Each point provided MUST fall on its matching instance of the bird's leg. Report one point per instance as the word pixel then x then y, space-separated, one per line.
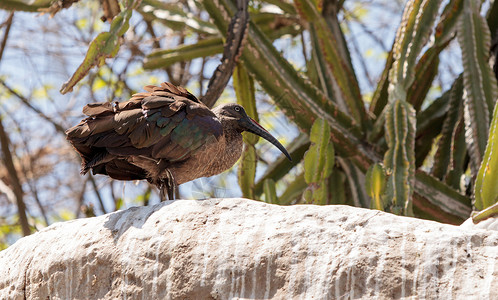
pixel 162 191
pixel 167 186
pixel 171 185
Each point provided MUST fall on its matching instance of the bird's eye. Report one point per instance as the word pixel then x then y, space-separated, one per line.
pixel 237 108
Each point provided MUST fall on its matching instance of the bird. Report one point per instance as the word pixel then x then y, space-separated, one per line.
pixel 164 135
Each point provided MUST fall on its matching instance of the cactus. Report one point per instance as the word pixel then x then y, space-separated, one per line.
pixel 270 192
pixel 244 89
pixel 318 163
pixel 376 185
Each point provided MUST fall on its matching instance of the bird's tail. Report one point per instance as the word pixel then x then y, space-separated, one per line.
pixel 99 158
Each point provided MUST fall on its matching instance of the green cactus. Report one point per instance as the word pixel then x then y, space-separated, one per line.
pixel 318 163
pixel 244 89
pixel 270 191
pixel 376 185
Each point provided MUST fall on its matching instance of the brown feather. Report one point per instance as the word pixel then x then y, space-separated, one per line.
pixel 94 109
pixel 165 135
pixel 127 140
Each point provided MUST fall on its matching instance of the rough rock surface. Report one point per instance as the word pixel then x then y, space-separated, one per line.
pixel 236 248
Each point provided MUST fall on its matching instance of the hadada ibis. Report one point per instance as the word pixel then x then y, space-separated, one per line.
pixel 165 135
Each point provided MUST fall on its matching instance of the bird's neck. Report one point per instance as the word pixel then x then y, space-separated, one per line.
pixel 232 149
pixel 231 131
pixel 233 141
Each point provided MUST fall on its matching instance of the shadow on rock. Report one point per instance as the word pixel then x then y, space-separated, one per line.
pixel 119 222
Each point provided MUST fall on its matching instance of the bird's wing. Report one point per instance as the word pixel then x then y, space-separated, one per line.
pixel 166 122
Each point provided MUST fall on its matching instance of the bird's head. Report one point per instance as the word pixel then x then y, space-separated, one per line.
pixel 237 115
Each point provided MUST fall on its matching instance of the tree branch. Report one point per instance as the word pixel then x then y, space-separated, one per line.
pixel 237 31
pixel 26 102
pixel 7 156
pixel 6 34
pixel 16 183
pixel 81 197
pixel 97 193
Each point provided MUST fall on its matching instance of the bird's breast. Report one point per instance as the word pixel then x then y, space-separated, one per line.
pixel 227 157
pixel 212 159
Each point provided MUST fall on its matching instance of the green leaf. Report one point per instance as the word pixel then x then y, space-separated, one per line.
pixel 165 58
pixel 311 167
pixel 318 163
pixel 106 44
pixel 174 16
pixel 207 47
pixel 329 161
pixel 25 5
pixel 375 182
pixel 284 6
pixel 479 81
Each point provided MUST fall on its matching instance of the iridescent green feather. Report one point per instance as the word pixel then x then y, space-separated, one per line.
pixel 163 121
pixel 167 130
pixel 154 117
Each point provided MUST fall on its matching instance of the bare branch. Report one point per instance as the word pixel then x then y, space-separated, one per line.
pixel 57 6
pixel 81 197
pixel 7 156
pixel 97 193
pixel 6 34
pixel 26 102
pixel 16 183
pixel 362 62
pixel 237 31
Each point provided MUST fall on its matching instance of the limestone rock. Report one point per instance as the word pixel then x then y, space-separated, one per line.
pixel 237 248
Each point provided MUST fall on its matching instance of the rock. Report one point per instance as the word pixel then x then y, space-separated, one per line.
pixel 489 224
pixel 237 248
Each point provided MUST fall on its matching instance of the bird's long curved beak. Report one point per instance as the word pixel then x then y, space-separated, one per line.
pixel 252 126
